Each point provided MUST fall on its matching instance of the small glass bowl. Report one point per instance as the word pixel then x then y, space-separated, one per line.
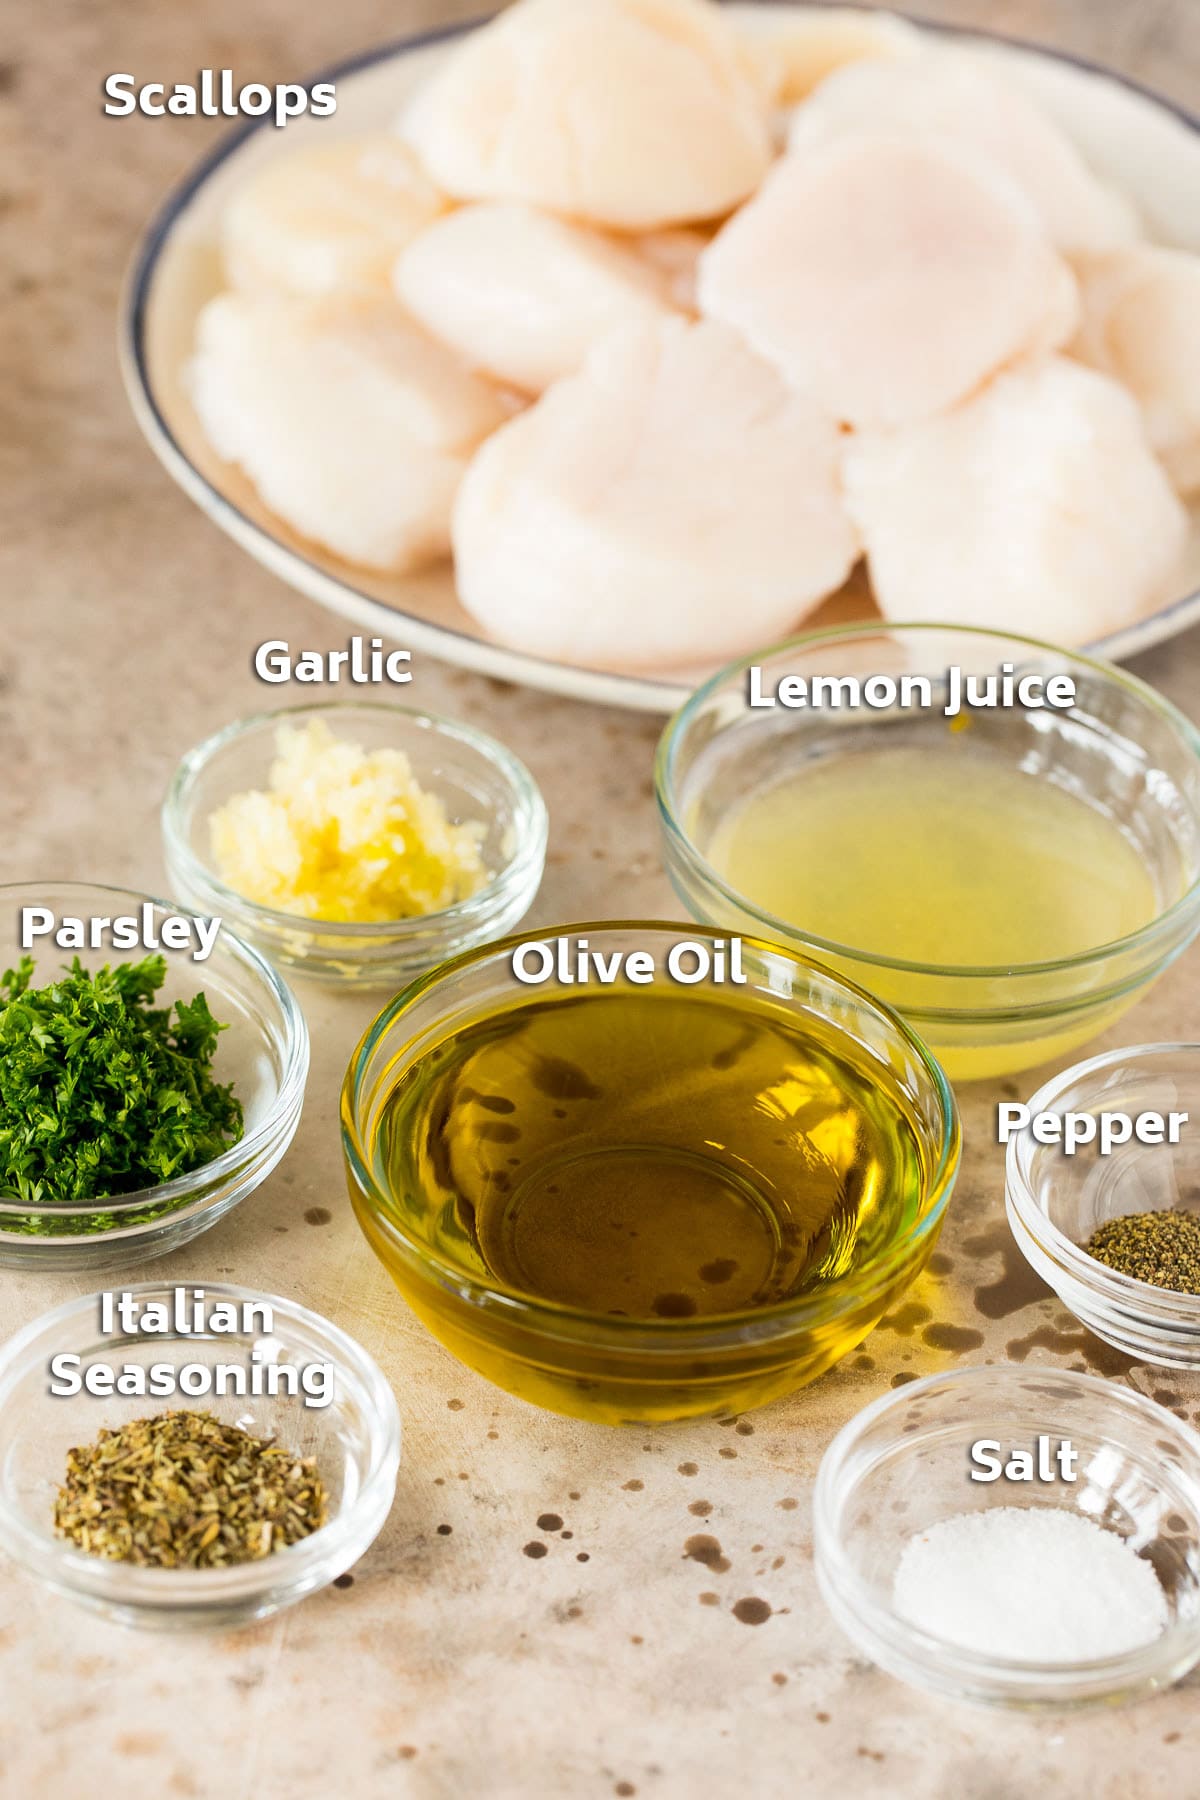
pixel 1055 1201
pixel 264 1053
pixel 1121 748
pixel 474 776
pixel 902 1466
pixel 355 1440
pixel 602 1366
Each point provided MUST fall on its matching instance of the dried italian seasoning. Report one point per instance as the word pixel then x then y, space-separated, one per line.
pixel 184 1491
pixel 1162 1248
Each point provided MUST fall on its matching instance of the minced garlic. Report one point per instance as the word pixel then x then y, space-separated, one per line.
pixel 344 834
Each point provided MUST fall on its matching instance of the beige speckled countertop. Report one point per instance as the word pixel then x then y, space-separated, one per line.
pixel 452 1665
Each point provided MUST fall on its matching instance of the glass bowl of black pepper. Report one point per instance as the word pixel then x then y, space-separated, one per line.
pixel 1114 1227
pixel 193 1532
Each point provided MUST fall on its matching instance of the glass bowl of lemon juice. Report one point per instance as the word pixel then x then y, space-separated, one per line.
pixel 999 838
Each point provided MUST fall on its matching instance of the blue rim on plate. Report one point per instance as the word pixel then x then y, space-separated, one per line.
pixel 449 642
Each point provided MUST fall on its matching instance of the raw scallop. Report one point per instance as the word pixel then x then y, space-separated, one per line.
pixel 1141 324
pixel 887 277
pixel 672 503
pixel 798 50
pixel 951 95
pixel 627 113
pixel 675 255
pixel 524 295
pixel 354 427
pixel 331 218
pixel 1037 505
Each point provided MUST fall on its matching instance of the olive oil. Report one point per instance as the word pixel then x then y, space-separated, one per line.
pixel 652 1154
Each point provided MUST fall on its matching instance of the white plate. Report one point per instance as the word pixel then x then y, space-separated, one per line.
pixel 1142 144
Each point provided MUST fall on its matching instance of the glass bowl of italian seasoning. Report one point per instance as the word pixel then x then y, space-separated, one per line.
pixel 182 1457
pixel 355 843
pixel 1103 1196
pixel 1015 1537
pixel 999 838
pixel 152 1071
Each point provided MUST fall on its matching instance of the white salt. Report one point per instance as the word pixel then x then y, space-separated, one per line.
pixel 1029 1584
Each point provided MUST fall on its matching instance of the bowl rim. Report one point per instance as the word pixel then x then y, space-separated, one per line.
pixel 680 841
pixel 523 865
pixel 130 1584
pixel 1156 1308
pixel 293 1076
pixel 980 1669
pixel 553 1319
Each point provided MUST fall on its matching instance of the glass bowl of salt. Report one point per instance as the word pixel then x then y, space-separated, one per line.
pixel 1015 1537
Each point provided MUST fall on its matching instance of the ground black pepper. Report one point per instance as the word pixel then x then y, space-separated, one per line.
pixel 1162 1248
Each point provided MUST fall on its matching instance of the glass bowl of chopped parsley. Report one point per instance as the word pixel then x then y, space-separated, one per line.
pixel 1112 1222
pixel 186 1478
pixel 143 1093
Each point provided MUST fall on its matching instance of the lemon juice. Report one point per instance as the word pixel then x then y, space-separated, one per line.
pixel 932 858
pixel 949 872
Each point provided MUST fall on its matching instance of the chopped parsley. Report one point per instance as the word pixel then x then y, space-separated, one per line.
pixel 101 1092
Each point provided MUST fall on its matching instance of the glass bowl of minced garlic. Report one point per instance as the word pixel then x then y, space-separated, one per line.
pixel 179 1457
pixel 356 843
pixel 1103 1196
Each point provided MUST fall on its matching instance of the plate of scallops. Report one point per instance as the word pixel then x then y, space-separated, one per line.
pixel 595 345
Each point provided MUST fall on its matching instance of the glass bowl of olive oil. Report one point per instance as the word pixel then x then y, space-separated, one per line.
pixel 999 838
pixel 638 1200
